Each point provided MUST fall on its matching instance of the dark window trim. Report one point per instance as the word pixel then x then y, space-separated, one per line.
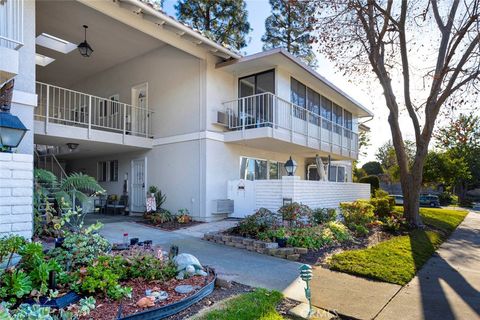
pixel 255 75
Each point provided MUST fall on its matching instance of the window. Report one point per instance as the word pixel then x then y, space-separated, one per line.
pixel 258 169
pixel 337 118
pixel 102 171
pixel 326 113
pixel 113 170
pixel 107 171
pixel 340 174
pixel 313 105
pixel 257 83
pixel 336 174
pixel 348 124
pixel 332 173
pixel 298 97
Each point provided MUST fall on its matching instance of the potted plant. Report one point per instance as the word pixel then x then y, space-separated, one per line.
pixel 152 190
pixel 281 237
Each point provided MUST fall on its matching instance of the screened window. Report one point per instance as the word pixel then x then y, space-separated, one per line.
pixel 107 171
pixel 326 112
pixel 299 98
pixel 340 174
pixel 257 83
pixel 273 172
pixel 336 174
pixel 332 173
pixel 337 118
pixel 313 105
pixel 113 170
pixel 348 123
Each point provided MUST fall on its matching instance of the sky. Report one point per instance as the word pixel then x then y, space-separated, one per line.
pixel 371 98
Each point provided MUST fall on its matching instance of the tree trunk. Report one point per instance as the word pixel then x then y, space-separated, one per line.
pixel 411 200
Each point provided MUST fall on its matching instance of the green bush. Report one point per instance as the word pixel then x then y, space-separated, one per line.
pixel 373 181
pixel 159 217
pixel 258 222
pixel 339 230
pixel 310 237
pixel 324 215
pixel 357 215
pixel 382 203
pixel 447 198
pixel 296 214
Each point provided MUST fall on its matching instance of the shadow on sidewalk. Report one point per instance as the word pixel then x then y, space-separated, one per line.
pixel 437 276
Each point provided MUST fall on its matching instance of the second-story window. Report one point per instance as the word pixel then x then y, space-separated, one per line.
pixel 326 113
pixel 337 118
pixel 298 98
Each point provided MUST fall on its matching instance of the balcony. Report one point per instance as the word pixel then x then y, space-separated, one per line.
pixel 11 37
pixel 269 122
pixel 71 114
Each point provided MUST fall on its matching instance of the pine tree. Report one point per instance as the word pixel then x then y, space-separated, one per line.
pixel 289 27
pixel 223 21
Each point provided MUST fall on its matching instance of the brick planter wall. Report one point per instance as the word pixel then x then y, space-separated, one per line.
pixel 16 194
pixel 263 247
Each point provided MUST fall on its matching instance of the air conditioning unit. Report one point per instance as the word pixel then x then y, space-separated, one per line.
pixel 222 206
pixel 222 118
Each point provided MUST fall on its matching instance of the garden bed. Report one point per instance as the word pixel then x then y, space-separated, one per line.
pixel 109 309
pixel 170 225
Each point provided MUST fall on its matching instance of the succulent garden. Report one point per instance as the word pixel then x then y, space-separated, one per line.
pixel 82 275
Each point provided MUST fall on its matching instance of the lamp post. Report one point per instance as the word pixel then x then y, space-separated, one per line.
pixel 12 130
pixel 306 275
pixel 290 166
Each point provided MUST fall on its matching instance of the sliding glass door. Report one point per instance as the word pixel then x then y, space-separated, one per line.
pixel 256 107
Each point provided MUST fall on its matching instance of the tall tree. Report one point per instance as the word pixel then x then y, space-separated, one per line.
pixel 289 27
pixel 424 54
pixel 223 21
pixel 460 139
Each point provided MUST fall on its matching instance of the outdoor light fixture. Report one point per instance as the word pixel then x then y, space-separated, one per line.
pixel 72 146
pixel 84 47
pixel 290 166
pixel 12 130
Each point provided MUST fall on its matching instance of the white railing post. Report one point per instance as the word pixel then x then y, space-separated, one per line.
pixel 242 117
pixel 89 116
pixel 124 121
pixel 291 121
pixel 146 122
pixel 47 109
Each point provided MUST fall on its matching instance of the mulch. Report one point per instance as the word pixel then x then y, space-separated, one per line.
pixel 107 309
pixel 171 225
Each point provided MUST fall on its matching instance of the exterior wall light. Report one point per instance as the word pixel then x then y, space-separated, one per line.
pixel 290 166
pixel 84 48
pixel 12 130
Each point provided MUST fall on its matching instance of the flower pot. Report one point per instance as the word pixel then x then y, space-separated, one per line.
pixel 282 242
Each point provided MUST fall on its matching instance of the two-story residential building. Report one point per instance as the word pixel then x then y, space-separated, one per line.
pixel 157 103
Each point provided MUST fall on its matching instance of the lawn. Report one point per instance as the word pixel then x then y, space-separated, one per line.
pixel 397 260
pixel 257 305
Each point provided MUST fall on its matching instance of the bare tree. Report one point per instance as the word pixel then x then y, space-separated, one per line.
pixel 388 37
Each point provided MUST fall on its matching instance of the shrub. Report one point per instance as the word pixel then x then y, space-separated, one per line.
pixel 296 213
pixel 373 181
pixel 394 223
pixel 357 213
pixel 258 222
pixel 159 217
pixel 383 204
pixel 339 230
pixel 310 237
pixel 183 216
pixel 324 215
pixel 447 198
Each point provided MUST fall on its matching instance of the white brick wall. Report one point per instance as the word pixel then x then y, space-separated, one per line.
pixel 16 194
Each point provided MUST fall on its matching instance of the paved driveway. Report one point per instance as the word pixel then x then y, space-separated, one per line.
pixel 242 266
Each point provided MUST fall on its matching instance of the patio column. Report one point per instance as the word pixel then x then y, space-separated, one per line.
pixel 290 187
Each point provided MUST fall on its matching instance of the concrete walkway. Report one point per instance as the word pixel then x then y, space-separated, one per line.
pixel 448 286
pixel 239 265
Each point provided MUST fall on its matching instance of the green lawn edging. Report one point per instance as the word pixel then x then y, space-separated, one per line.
pixel 397 260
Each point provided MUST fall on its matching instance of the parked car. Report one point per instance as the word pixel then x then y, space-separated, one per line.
pixel 398 199
pixel 428 200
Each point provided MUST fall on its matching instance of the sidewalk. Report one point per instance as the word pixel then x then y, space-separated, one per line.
pixel 448 286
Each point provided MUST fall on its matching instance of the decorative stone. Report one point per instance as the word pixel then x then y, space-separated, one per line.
pixel 146 302
pixel 259 244
pixel 223 283
pixel 287 251
pixel 160 295
pixel 248 242
pixel 217 237
pixel 301 250
pixel 271 251
pixel 237 239
pixel 231 244
pixel 250 248
pixel 188 264
pixel 208 236
pixel 239 245
pixel 271 245
pixel 293 257
pixel 226 238
pixel 260 250
pixel 184 288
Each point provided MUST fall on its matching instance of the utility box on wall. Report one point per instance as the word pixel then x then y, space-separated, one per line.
pixel 222 206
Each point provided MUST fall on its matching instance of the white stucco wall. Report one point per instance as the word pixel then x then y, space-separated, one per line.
pixel 174 79
pixel 16 190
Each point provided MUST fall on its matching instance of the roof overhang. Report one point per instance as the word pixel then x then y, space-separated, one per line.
pixel 280 57
pixel 168 23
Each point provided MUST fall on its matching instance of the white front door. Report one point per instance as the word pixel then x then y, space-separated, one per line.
pixel 138 185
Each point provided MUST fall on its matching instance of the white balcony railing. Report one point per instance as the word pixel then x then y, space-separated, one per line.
pixel 68 107
pixel 11 24
pixel 269 110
